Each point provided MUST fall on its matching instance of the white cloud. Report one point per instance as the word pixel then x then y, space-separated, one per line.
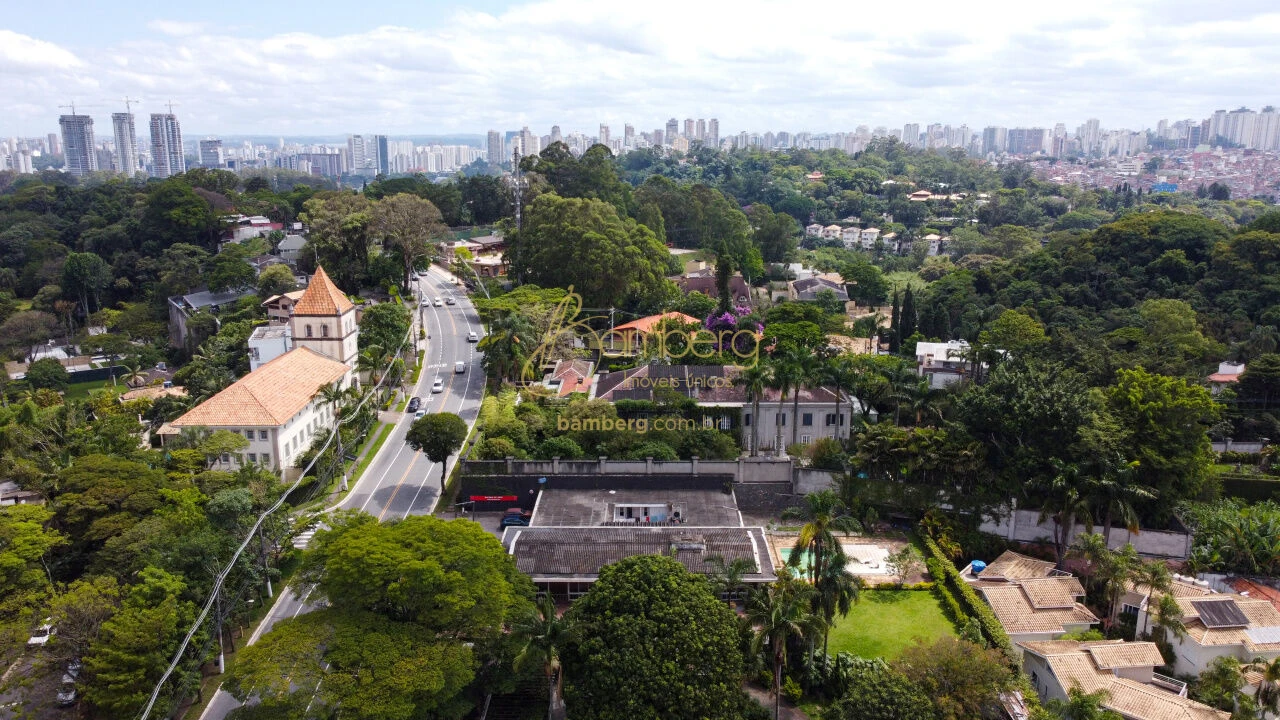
pixel 805 64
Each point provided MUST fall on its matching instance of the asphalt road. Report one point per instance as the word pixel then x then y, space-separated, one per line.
pixel 399 482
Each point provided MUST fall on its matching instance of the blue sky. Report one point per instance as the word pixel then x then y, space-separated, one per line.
pixel 401 67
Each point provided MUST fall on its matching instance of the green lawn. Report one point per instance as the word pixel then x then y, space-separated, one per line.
pixel 80 391
pixel 884 622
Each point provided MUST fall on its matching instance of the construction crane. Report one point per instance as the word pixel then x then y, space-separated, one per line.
pixel 128 107
pixel 72 106
pixel 170 105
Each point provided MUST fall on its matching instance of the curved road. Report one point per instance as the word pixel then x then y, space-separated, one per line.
pixel 399 481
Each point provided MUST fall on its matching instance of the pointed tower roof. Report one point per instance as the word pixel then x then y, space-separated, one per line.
pixel 322 297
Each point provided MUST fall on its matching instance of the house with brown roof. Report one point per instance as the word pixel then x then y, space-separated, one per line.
pixel 704 281
pixel 1228 374
pixel 631 337
pixel 1217 624
pixel 1123 671
pixel 278 408
pixel 1031 599
pixel 570 376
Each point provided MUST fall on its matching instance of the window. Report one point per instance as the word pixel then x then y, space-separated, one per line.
pixel 248 434
pixel 746 420
pixel 308 331
pixel 253 457
pixel 780 419
pixel 226 457
pixel 266 458
pixel 832 418
pixel 707 421
pixel 806 439
pixel 262 434
pixel 724 422
pixel 806 419
pixel 1127 609
pixel 324 331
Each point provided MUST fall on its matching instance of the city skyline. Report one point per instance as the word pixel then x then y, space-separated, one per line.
pixel 443 68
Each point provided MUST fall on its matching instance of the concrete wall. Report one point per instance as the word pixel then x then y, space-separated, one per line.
pixel 1232 446
pixel 1024 526
pixel 765 497
pixel 809 481
pixel 743 469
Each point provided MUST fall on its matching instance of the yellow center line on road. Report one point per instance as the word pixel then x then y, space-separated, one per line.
pixel 443 398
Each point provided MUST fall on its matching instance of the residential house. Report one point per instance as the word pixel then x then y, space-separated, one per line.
pixel 935 243
pixel 1030 598
pixel 570 376
pixel 633 337
pixel 1217 624
pixel 808 289
pixel 891 242
pixel 714 386
pixel 813 230
pixel 704 281
pixel 850 237
pixel 278 408
pixel 832 232
pixel 920 196
pixel 12 494
pixel 280 307
pixel 262 262
pixel 290 246
pixel 183 307
pixel 942 363
pixel 867 237
pixel 1124 672
pixel 247 227
pixel 1228 374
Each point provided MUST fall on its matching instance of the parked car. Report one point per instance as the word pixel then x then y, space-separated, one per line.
pixel 41 635
pixel 437 386
pixel 67 691
pixel 473 337
pixel 513 521
pixel 422 273
pixel 521 512
pixel 414 404
pixel 459 367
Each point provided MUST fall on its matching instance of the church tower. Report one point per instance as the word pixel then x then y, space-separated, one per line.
pixel 324 320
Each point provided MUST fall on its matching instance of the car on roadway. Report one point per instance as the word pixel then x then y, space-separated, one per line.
pixel 448 300
pixel 437 386
pixel 418 415
pixel 460 367
pixel 438 302
pixel 473 337
pixel 422 273
pixel 41 635
pixel 414 404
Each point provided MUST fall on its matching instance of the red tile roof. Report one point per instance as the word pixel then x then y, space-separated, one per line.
pixel 322 297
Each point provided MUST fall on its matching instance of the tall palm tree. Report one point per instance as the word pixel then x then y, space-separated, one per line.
pixel 374 360
pixel 1115 492
pixel 542 636
pixel 1268 693
pixel 803 372
pixel 836 590
pixel 754 380
pixel 780 613
pixel 132 374
pixel 841 373
pixel 823 513
pixel 922 399
pixel 510 340
pixel 1156 577
pixel 1064 500
pixel 1168 618
pixel 782 377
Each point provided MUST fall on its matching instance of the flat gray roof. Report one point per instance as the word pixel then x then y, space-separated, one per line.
pixel 559 507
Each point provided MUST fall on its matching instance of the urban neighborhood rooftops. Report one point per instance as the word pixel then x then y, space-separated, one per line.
pixel 559 507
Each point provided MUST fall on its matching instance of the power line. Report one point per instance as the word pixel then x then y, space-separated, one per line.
pixel 222 576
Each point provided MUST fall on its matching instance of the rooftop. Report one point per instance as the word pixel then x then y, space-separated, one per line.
pixel 322 297
pixel 1013 566
pixel 270 395
pixel 559 507
pixel 1093 666
pixel 1014 608
pixel 646 324
pixel 556 553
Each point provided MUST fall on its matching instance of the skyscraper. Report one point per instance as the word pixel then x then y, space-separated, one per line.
pixel 688 128
pixel 911 134
pixel 713 133
pixel 77 144
pixel 494 148
pixel 166 146
pixel 383 160
pixel 700 133
pixel 628 135
pixel 603 138
pixel 556 136
pixel 673 129
pixel 126 143
pixel 994 140
pixel 211 153
pixel 54 146
pixel 359 150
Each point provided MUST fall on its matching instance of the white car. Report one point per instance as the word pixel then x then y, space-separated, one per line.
pixel 41 635
pixel 473 337
pixel 448 300
pixel 460 367
pixel 418 415
pixel 437 386
pixel 439 302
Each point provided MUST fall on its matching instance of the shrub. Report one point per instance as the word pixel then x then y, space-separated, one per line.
pixel 47 374
pixel 827 454
pixel 791 690
pixel 968 598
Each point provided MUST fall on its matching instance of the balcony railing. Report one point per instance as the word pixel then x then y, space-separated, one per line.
pixel 1171 684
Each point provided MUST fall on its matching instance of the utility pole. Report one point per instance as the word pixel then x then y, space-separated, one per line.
pixel 518 181
pixel 266 570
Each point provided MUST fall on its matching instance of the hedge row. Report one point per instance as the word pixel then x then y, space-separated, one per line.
pixel 992 630
pixel 949 603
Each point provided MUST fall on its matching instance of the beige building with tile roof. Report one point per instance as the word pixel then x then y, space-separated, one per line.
pixel 276 407
pixel 324 320
pixel 1125 671
pixel 1031 599
pixel 1218 624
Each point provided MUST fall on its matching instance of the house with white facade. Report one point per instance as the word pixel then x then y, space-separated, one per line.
pixel 1217 624
pixel 867 237
pixel 849 236
pixel 813 230
pixel 942 363
pixel 290 246
pixel 832 232
pixel 1123 671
